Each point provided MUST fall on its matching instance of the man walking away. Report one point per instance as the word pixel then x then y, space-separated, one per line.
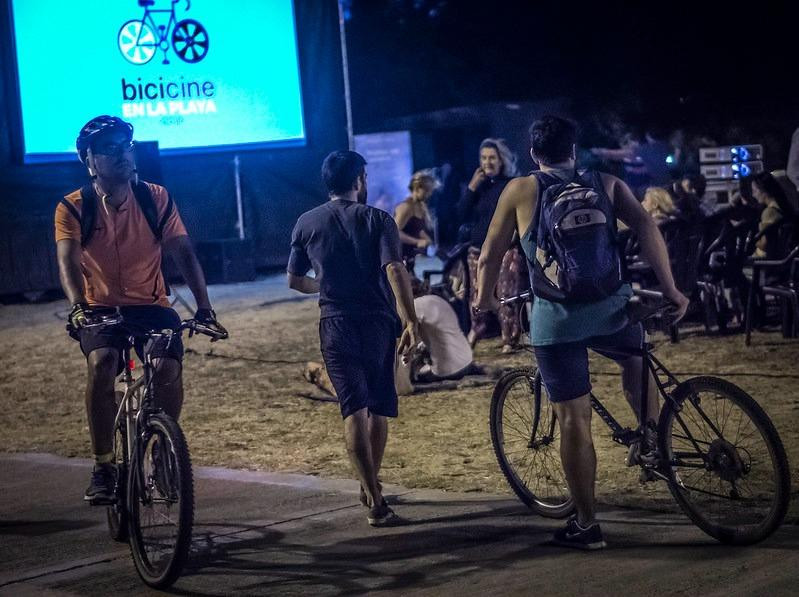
pixel 354 251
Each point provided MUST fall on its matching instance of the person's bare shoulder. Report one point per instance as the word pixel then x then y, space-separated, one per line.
pixel 402 208
pixel 521 188
pixel 609 181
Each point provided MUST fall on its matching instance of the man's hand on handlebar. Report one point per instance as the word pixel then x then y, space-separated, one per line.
pixel 680 302
pixel 207 318
pixel 487 302
pixel 79 316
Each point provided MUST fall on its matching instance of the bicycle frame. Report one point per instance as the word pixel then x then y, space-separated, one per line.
pixel 132 409
pixel 625 435
pixel 160 30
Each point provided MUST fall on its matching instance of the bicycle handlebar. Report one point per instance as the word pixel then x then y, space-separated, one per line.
pixel 645 303
pixel 196 327
pixel 509 300
pixel 115 318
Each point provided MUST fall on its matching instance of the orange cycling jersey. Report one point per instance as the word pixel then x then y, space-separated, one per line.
pixel 121 263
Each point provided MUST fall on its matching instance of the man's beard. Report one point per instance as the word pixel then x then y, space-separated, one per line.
pixel 362 196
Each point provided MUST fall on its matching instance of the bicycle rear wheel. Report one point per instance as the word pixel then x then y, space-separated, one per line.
pixel 725 462
pixel 161 502
pixel 526 439
pixel 116 513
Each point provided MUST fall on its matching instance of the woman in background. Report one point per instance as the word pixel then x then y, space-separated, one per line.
pixel 413 217
pixel 497 167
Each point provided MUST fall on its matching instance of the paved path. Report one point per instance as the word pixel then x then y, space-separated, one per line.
pixel 281 534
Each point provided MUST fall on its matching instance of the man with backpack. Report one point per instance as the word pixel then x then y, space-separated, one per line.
pixel 109 239
pixel 567 223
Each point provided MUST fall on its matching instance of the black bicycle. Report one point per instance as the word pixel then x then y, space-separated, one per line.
pixel 153 505
pixel 717 450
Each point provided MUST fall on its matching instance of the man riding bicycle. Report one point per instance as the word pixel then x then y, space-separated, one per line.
pixel 110 235
pixel 567 222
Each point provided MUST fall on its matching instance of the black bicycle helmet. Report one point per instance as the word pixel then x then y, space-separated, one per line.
pixel 97 125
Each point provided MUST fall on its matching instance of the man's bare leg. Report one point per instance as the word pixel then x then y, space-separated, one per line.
pixel 577 454
pixel 631 386
pixel 378 434
pixel 357 435
pixel 100 407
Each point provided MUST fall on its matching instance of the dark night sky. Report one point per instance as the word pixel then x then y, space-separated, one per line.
pixel 682 64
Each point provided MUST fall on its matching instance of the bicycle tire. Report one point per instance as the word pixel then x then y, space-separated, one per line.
pixel 729 464
pixel 129 38
pixel 187 36
pixel 147 488
pixel 536 476
pixel 117 513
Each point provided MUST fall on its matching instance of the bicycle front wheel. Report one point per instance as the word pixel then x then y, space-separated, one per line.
pixel 161 502
pixel 526 439
pixel 725 462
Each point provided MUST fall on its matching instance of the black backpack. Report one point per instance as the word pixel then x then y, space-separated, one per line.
pixel 141 191
pixel 577 258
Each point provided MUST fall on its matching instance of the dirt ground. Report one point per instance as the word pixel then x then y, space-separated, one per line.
pixel 248 407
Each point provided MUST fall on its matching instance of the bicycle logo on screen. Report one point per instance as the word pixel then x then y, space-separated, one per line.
pixel 158 29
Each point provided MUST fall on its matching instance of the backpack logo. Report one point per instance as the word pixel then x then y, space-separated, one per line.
pixel 576 255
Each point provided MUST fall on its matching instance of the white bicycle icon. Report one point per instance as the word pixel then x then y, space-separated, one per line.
pixel 139 39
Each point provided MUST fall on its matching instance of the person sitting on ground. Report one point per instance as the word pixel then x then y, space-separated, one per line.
pixel 413 217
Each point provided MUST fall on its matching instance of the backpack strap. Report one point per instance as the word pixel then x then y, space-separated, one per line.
pixel 71 208
pixel 88 213
pixel 141 190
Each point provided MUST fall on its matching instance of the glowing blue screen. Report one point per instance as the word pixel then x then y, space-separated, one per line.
pixel 220 73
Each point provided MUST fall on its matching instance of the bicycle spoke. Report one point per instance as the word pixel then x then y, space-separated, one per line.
pixel 728 480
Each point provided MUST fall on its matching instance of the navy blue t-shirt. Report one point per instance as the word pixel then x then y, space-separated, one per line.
pixel 348 245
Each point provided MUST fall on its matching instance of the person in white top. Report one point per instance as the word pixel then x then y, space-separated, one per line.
pixel 450 353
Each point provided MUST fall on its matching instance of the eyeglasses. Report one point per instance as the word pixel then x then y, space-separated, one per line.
pixel 113 148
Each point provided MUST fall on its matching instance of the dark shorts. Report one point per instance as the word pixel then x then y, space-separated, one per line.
pixel 564 367
pixel 136 321
pixel 359 357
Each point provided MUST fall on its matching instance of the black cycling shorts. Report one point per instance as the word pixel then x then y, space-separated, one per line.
pixel 137 320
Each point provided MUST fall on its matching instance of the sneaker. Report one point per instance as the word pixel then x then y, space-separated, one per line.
pixel 381 515
pixel 101 487
pixel 579 538
pixel 364 498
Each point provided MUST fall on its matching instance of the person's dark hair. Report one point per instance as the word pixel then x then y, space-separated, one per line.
pixel 698 183
pixel 341 169
pixel 772 188
pixel 552 139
